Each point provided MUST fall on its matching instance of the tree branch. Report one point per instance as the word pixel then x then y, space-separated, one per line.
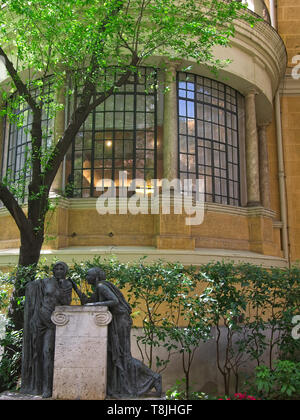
pixel 21 87
pixel 77 119
pixel 82 111
pixel 122 80
pixel 14 209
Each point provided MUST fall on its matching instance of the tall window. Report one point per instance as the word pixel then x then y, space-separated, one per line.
pixel 119 135
pixel 208 113
pixel 18 142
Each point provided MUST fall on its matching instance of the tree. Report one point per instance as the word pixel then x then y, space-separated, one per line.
pixel 75 43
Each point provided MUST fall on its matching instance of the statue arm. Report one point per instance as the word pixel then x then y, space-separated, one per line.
pixel 109 299
pixel 82 297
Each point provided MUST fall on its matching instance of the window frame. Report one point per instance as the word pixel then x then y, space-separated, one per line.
pixel 10 151
pixel 189 96
pixel 134 93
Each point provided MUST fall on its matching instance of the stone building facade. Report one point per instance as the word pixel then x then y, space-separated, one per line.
pixel 238 132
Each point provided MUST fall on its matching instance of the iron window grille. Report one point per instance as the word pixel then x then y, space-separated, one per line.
pixel 17 134
pixel 119 135
pixel 208 136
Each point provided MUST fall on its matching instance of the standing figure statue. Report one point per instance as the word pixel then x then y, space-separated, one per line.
pixel 126 376
pixel 42 296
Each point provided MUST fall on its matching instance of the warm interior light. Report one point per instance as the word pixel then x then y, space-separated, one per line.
pixel 108 143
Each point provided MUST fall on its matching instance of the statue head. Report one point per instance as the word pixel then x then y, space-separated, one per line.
pixel 60 270
pixel 95 275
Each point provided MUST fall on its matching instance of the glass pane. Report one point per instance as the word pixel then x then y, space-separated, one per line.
pixel 150 140
pixel 191 145
pixel 128 149
pixel 140 139
pixel 120 103
pixel 128 120
pixel 182 108
pixel 182 126
pixel 183 144
pixel 191 127
pixel 190 109
pixel 183 162
pixel 140 103
pixel 129 103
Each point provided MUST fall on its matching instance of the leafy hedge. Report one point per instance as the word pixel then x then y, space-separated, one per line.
pixel 247 307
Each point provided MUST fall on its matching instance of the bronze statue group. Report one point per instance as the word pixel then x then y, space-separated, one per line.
pixel 126 376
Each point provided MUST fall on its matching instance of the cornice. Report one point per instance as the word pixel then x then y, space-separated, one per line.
pixel 289 86
pixel 269 52
pixel 90 204
pixel 197 257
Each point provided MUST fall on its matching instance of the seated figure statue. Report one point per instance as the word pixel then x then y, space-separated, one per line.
pixel 126 376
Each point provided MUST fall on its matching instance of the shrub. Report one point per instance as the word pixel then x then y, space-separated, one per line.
pixel 239 302
pixel 281 383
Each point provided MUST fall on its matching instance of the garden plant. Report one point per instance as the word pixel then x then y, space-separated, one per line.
pixel 247 311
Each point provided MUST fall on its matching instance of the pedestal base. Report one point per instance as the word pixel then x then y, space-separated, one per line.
pixel 80 352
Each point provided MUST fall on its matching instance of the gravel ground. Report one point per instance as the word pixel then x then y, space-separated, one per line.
pixel 9 395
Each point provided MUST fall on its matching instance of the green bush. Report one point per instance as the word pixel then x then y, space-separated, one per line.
pixel 178 392
pixel 281 383
pixel 180 307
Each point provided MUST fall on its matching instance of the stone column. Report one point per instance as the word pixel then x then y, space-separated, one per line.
pixel 170 136
pixel 252 156
pixel 264 166
pixel 59 128
pixel 80 352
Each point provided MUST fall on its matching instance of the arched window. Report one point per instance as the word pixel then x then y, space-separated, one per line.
pixel 209 149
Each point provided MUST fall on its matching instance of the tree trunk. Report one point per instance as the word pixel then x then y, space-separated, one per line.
pixel 31 244
pixel 28 259
pixel 30 252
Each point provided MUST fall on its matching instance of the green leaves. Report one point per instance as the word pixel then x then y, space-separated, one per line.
pixel 80 43
pixel 60 36
pixel 246 309
pixel 283 382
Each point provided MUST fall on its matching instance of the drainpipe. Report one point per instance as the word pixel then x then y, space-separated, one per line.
pixel 281 171
pixel 273 13
pixel 281 174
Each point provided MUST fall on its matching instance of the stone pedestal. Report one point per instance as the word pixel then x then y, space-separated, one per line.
pixel 80 352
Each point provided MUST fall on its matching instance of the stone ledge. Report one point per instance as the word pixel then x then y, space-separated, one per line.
pixel 14 395
pixel 90 204
pixel 130 254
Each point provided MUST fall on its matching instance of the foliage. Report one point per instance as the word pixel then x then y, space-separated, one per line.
pixel 251 309
pixel 86 47
pixel 246 309
pixel 281 383
pixel 10 360
pixel 86 50
pixel 160 295
pixel 224 304
pixel 273 298
pixel 4 292
pixel 12 284
pixel 178 392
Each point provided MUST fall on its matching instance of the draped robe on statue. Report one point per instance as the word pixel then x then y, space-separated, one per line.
pixel 39 333
pixel 126 376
